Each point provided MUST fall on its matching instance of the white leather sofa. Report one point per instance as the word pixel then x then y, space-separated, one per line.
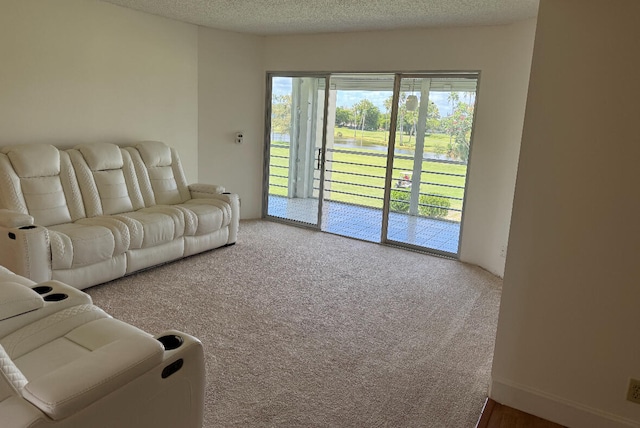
pixel 97 212
pixel 66 363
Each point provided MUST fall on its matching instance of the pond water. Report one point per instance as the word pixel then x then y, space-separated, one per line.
pixel 350 143
pixel 353 143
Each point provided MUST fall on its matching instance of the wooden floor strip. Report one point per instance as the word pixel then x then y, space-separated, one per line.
pixel 495 415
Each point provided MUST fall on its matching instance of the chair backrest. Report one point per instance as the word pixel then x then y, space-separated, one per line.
pixel 38 179
pixel 106 178
pixel 160 173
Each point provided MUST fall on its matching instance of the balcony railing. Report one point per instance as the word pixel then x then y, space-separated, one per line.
pixel 358 177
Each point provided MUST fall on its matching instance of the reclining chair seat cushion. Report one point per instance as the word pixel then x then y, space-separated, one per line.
pixel 211 214
pixel 75 244
pixel 149 229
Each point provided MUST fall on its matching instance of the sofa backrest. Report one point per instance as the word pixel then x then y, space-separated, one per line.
pixel 107 180
pixel 160 174
pixel 38 179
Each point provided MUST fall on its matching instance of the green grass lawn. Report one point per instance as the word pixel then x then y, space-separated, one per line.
pixel 369 186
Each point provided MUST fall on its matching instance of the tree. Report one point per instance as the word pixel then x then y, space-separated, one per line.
pixel 367 115
pixel 408 120
pixel 458 126
pixel 343 116
pixel 281 114
pixel 433 117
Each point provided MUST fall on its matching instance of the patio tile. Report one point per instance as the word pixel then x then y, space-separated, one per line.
pixel 365 223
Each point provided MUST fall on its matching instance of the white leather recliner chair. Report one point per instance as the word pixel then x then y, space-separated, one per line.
pixel 66 363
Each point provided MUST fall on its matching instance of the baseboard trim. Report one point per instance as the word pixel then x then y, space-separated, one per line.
pixel 554 408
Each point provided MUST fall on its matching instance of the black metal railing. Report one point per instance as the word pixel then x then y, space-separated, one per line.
pixel 346 182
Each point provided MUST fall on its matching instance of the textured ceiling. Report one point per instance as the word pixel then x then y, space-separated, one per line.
pixel 322 16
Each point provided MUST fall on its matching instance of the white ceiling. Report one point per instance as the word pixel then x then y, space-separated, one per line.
pixel 268 17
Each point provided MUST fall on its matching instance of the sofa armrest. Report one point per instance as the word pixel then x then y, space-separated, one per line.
pixel 233 200
pixel 18 299
pixel 75 298
pixel 205 190
pixel 26 251
pixel 78 384
pixel 9 219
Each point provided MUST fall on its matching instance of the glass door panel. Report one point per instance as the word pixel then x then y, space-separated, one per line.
pixel 295 148
pixel 356 154
pixel 429 166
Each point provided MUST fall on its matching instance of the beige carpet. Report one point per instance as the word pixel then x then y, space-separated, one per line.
pixel 308 329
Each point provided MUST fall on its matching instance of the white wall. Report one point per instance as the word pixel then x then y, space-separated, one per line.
pixel 75 71
pixel 83 70
pixel 502 54
pixel 231 99
pixel 568 336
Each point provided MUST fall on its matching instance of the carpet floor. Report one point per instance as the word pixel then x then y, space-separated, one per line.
pixel 308 329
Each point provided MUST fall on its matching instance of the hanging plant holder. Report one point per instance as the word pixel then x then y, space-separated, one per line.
pixel 412 103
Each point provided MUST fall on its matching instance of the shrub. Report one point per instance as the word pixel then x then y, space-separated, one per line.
pixel 434 206
pixel 400 200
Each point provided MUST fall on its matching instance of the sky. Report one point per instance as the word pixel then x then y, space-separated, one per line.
pixel 346 99
pixel 349 98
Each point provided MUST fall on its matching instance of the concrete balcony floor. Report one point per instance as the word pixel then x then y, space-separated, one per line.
pixel 365 223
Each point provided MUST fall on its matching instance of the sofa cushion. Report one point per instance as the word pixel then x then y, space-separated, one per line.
pixel 163 183
pixel 45 199
pixel 212 214
pixel 75 245
pixel 101 157
pixel 161 175
pixel 113 191
pixel 154 153
pixel 148 229
pixel 108 183
pixel 34 160
pixel 34 171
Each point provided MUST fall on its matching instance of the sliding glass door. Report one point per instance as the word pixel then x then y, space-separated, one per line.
pixel 429 161
pixel 377 157
pixel 356 154
pixel 295 142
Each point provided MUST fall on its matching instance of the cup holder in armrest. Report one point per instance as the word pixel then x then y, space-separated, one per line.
pixel 42 289
pixel 55 297
pixel 171 341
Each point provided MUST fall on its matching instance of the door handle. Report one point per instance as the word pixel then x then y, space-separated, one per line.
pixel 319 154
